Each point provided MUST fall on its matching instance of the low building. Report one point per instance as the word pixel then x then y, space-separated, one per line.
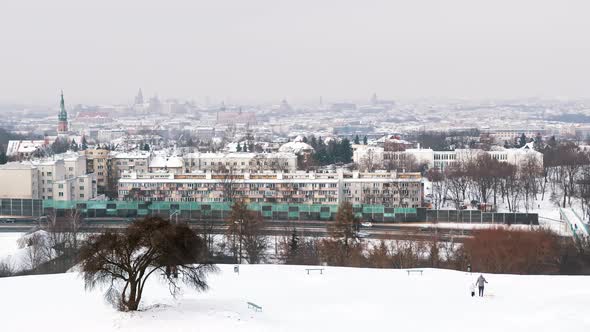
pixel 240 162
pixel 442 159
pixel 134 161
pixel 367 157
pixel 25 148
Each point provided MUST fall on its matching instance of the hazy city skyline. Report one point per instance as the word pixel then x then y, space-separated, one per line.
pixel 264 50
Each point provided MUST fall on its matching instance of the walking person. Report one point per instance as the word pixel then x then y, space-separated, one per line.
pixel 481 281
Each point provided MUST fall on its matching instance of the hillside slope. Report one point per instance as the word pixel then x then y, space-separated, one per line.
pixel 341 299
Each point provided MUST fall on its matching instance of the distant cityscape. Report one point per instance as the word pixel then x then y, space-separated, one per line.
pixel 170 150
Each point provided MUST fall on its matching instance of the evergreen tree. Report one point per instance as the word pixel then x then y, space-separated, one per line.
pixel 239 147
pixel 60 145
pixel 538 144
pixel 357 140
pixel 346 151
pixel 365 140
pixel 74 145
pixel 3 158
pixel 552 142
pixel 304 139
pixel 522 141
pixel 293 249
pixel 84 143
pixel 313 142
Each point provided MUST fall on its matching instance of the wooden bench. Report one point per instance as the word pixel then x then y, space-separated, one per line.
pixel 414 271
pixel 321 270
pixel 254 307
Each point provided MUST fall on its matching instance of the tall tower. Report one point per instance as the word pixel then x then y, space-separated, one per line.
pixel 62 124
pixel 139 98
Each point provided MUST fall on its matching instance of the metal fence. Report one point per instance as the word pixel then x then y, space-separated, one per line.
pixel 21 207
pixel 475 216
pixel 269 211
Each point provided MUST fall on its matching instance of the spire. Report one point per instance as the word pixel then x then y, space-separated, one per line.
pixel 62 118
pixel 62 104
pixel 63 115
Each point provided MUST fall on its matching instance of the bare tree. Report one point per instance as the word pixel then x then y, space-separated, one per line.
pixel 439 186
pixel 246 226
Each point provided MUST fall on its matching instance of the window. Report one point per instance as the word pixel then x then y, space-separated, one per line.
pixel 49 173
pixel 61 194
pixel 71 169
pixel 81 195
pixel 81 187
pixel 81 180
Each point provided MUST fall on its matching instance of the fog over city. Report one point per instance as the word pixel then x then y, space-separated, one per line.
pixel 295 165
pixel 266 50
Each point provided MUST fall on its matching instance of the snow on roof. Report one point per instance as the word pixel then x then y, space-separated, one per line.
pixel 237 155
pixel 166 162
pixel 16 166
pixel 131 154
pixel 295 147
pixel 17 147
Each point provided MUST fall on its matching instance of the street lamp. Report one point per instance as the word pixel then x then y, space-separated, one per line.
pixel 240 222
pixel 175 213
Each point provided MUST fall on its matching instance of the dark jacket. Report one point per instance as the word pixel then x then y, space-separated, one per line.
pixel 481 281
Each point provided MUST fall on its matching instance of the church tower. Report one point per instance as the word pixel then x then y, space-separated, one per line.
pixel 62 124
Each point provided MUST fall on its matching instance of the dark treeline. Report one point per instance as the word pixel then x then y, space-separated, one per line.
pixel 332 152
pixel 491 251
pixel 446 140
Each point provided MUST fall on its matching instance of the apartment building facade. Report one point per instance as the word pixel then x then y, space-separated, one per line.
pixel 390 189
pixel 240 162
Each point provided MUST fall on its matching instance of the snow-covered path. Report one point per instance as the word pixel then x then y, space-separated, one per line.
pixel 342 299
pixel 578 227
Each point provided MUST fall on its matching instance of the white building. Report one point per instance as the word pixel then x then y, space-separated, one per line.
pixel 442 159
pixel 19 181
pixel 134 161
pixel 24 148
pixel 63 177
pixel 240 162
pixel 367 156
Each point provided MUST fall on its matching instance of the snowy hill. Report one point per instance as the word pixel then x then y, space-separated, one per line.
pixel 341 299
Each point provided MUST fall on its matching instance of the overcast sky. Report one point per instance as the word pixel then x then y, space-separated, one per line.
pixel 264 50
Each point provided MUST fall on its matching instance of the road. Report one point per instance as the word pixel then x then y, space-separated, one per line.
pixel 274 228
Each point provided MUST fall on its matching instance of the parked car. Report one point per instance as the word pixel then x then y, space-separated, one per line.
pixel 362 234
pixel 366 224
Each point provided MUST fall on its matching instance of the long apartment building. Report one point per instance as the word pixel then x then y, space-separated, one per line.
pixel 62 177
pixel 388 188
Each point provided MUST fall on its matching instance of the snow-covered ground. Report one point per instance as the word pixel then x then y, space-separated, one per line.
pixel 341 299
pixel 9 251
